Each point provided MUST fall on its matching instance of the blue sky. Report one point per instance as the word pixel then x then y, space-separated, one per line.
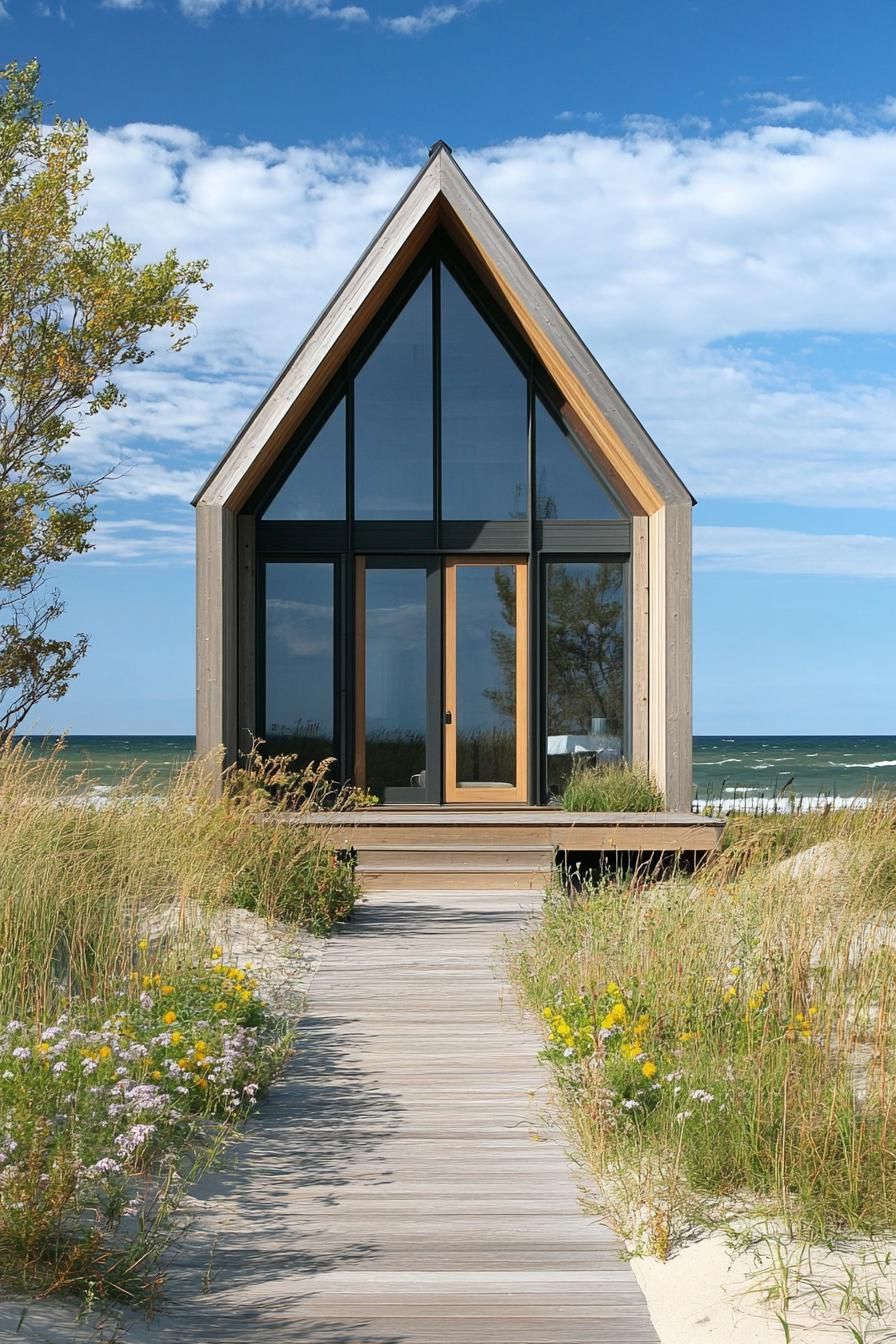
pixel 706 189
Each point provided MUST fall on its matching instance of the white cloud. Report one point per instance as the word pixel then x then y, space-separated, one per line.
pixel 669 252
pixel 782 107
pixel 759 550
pixel 314 9
pixel 130 540
pixel 431 16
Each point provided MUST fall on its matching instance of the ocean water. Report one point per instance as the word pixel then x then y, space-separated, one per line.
pixel 740 771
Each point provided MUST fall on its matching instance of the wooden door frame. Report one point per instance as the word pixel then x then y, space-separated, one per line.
pixel 451 793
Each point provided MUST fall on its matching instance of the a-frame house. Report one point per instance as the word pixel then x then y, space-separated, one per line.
pixel 443 550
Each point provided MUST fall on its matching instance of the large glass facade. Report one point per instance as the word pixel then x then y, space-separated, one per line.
pixel 394 418
pixel 424 621
pixel 585 664
pixel 484 416
pixel 299 659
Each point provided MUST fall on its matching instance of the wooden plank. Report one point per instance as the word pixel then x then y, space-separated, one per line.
pixel 670 694
pixel 247 729
pixel 216 631
pixel 639 657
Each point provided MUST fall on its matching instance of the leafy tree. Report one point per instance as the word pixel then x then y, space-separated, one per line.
pixel 74 307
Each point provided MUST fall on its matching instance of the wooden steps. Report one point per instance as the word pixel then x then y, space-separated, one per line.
pixel 461 866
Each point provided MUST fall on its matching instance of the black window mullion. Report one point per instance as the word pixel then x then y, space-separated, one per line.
pixel 437 401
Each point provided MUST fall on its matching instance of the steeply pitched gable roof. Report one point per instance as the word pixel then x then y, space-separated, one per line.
pixel 442 196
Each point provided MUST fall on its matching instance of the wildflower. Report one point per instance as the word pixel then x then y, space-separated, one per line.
pixel 176 1037
pixel 169 1017
pixel 200 1047
pixel 648 1068
pixel 21 1052
pixel 143 944
pixel 156 1076
pixel 700 1094
pixel 220 1006
pixel 217 952
pixel 200 1082
pixel 631 1105
pixel 104 1052
pixel 167 989
pixel 612 987
pixel 683 1115
pixel 106 1166
pixel 729 994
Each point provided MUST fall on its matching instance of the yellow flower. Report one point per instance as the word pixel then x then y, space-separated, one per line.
pixel 629 1050
pixel 200 1047
pixel 104 1052
pixel 685 1036
pixel 245 995
pixel 156 1076
pixel 729 994
pixel 147 982
pixel 183 1062
pixel 169 1017
pixel 220 1006
pixel 176 1037
pixel 200 1082
pixel 648 1068
pixel 217 952
pixel 167 989
pixel 612 987
pixel 43 1047
pixel 143 944
pixel 547 1014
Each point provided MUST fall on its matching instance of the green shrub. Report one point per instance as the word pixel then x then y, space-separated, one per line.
pixel 615 787
pixel 726 1042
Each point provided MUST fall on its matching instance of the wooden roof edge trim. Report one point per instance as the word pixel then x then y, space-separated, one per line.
pixel 469 209
pixel 426 186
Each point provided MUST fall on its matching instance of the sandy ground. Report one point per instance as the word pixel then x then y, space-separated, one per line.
pixel 705 1292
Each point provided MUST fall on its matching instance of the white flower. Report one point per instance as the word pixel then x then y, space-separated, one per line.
pixel 59 1068
pixel 702 1096
pixel 21 1052
pixel 630 1105
pixel 683 1115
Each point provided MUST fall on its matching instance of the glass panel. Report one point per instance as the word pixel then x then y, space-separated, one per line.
pixel 394 418
pixel 585 632
pixel 484 417
pixel 395 695
pixel 567 485
pixel 299 667
pixel 315 488
pixel 486 676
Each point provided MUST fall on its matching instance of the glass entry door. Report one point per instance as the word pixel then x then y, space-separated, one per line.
pixel 486 680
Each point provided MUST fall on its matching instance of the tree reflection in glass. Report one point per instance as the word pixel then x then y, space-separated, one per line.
pixel 585 657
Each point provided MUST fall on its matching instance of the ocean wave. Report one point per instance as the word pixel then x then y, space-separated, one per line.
pixel 864 765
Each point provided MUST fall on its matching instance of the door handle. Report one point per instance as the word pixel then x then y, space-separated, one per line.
pixel 446 717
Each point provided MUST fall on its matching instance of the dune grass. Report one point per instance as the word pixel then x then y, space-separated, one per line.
pixel 611 787
pixel 124 1058
pixel 726 1042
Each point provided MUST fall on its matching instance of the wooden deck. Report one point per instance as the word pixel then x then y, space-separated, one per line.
pixel 404 1185
pixel 583 832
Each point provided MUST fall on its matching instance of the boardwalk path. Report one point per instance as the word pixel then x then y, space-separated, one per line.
pixel 392 1191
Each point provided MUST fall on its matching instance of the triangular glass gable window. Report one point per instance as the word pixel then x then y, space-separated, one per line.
pixel 314 491
pixel 394 417
pixel 566 483
pixel 484 416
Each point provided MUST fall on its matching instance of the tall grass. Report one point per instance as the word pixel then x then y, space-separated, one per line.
pixel 611 787
pixel 78 881
pixel 124 1058
pixel 728 1041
